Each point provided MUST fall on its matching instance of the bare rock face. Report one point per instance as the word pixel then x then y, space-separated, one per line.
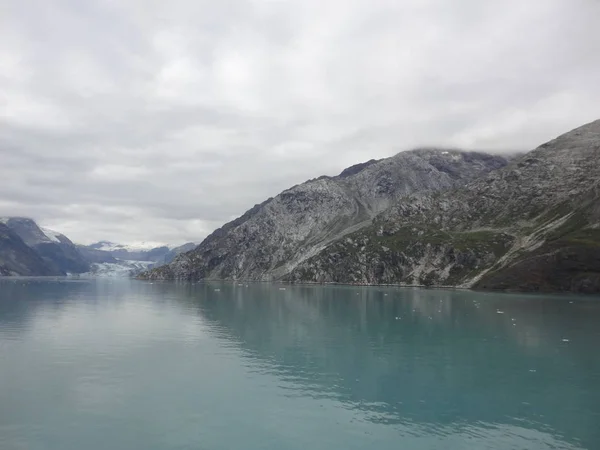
pixel 426 217
pixel 270 240
pixel 533 225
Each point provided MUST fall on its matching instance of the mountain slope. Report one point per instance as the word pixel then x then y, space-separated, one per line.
pixel 59 253
pixel 17 258
pixel 96 256
pixel 175 252
pixel 533 225
pixel 272 238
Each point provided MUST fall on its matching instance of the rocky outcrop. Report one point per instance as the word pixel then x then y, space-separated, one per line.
pixel 273 238
pixel 533 225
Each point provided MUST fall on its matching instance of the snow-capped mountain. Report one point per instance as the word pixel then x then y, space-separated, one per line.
pixel 28 249
pixel 59 255
pixel 155 253
pixel 107 246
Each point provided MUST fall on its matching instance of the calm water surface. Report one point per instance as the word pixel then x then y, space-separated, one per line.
pixel 102 364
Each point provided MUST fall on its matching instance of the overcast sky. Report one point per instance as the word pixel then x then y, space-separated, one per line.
pixel 159 120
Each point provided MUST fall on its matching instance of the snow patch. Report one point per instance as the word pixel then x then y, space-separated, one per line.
pixel 133 247
pixel 52 235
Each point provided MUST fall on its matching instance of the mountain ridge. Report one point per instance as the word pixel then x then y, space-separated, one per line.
pixel 536 214
pixel 269 239
pixel 59 253
pixel 17 258
pixel 26 249
pixel 526 210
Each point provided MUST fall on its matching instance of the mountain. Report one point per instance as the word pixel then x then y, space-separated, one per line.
pixel 142 252
pixel 17 258
pixel 273 238
pixel 118 260
pixel 95 256
pixel 533 225
pixel 174 252
pixel 27 249
pixel 60 255
pixel 109 252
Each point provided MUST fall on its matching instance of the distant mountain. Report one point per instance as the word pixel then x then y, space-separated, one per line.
pixel 108 246
pixel 17 258
pixel 174 252
pixel 110 252
pixel 59 254
pixel 96 256
pixel 29 250
pixel 270 240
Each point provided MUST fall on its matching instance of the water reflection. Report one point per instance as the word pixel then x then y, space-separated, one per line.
pixel 437 359
pixel 389 367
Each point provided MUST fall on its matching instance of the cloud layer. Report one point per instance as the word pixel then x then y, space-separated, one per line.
pixel 138 120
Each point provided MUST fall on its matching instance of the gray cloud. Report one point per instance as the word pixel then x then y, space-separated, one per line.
pixel 150 120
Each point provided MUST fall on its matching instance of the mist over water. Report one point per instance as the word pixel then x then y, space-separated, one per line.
pixel 124 364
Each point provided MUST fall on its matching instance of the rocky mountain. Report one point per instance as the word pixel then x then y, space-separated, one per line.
pixel 533 225
pixel 271 240
pixel 58 253
pixel 17 258
pixel 175 252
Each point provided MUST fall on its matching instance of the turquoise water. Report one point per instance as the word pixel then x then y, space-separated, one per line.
pixel 131 365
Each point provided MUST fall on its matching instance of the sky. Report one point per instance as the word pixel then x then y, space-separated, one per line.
pixel 153 120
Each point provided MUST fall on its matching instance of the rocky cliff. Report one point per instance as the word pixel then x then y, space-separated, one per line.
pixel 273 238
pixel 532 225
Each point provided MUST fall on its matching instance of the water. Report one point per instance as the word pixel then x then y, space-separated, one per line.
pixel 131 365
